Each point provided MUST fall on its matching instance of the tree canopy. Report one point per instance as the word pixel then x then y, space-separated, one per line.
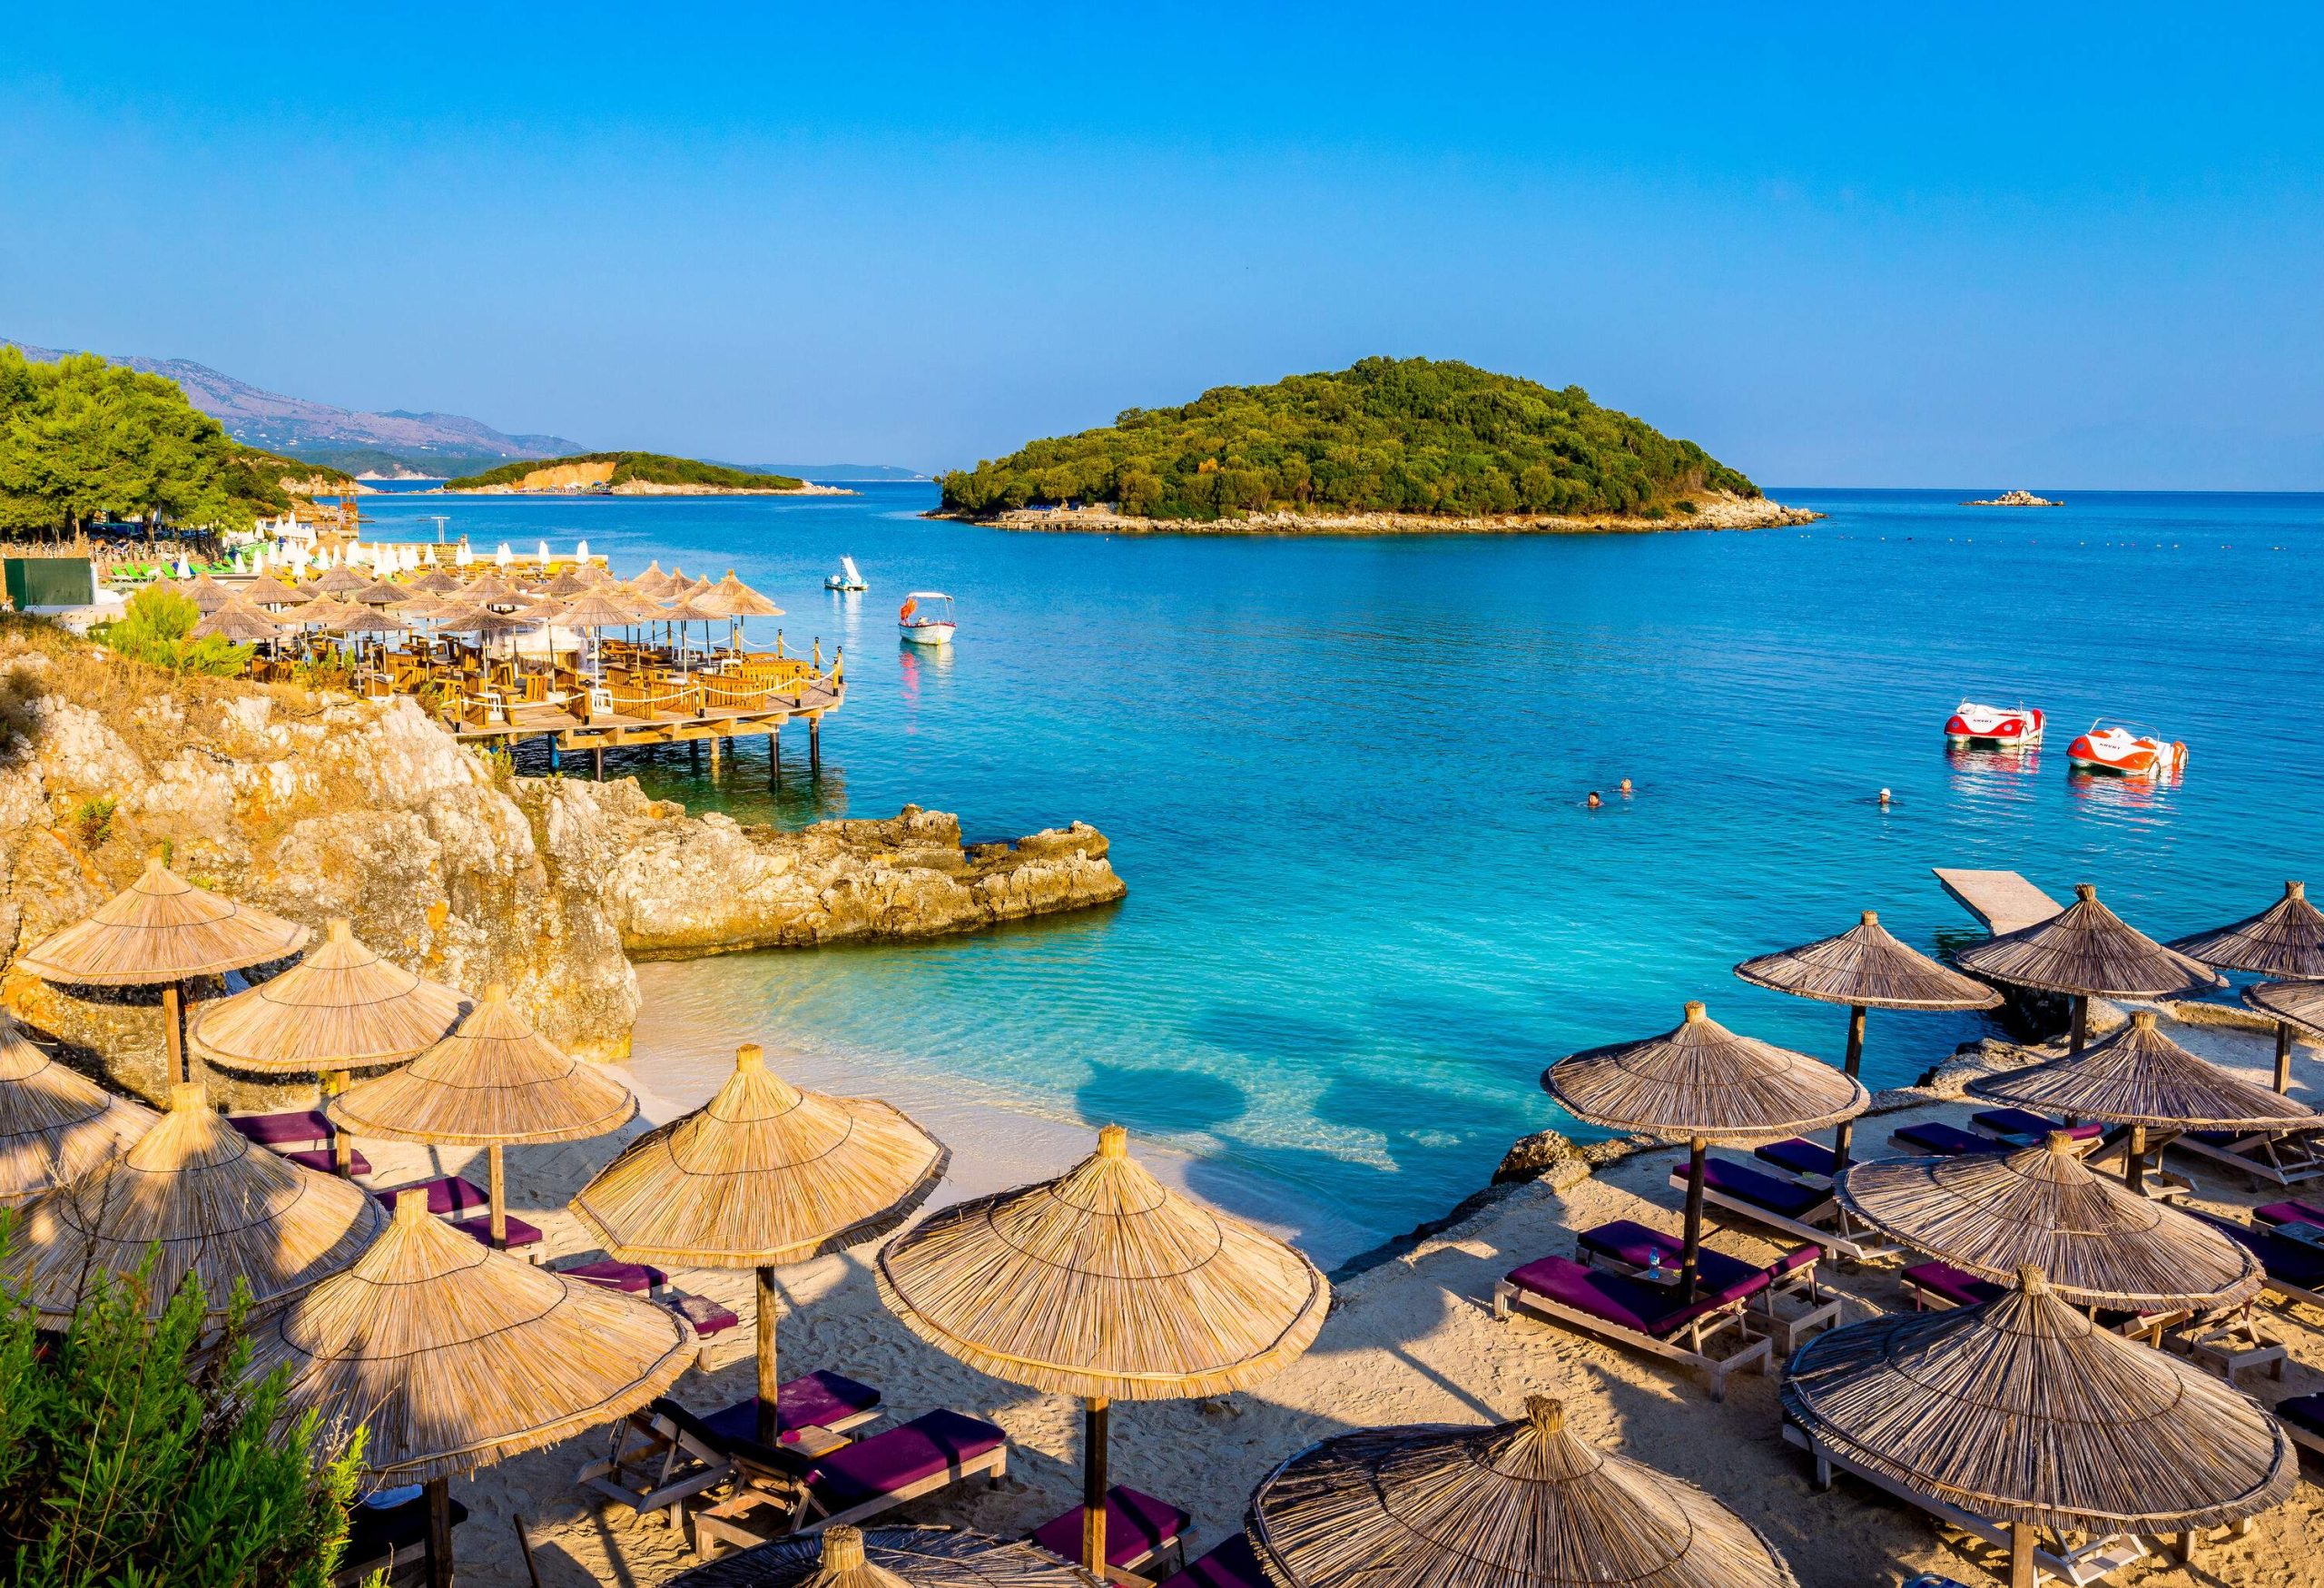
pixel 650 468
pixel 1386 435
pixel 82 440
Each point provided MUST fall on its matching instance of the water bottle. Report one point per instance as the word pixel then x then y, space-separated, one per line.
pixel 1654 1264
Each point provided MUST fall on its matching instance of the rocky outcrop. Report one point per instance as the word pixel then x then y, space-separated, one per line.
pixel 1711 510
pixel 316 806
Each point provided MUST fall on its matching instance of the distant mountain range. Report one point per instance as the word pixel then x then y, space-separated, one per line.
pixel 832 473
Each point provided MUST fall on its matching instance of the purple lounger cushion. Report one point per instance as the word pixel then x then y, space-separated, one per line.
pixel 631 1278
pixel 2304 1412
pixel 519 1232
pixel 446 1194
pixel 1233 1564
pixel 1958 1287
pixel 274 1129
pixel 1629 1242
pixel 1788 1197
pixel 2292 1261
pixel 1641 1308
pixel 816 1401
pixel 321 1159
pixel 1797 1157
pixel 1943 1141
pixel 927 1446
pixel 1136 1525
pixel 708 1317
pixel 2023 1122
pixel 2294 1212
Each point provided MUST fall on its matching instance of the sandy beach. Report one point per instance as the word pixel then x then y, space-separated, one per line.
pixel 1410 1340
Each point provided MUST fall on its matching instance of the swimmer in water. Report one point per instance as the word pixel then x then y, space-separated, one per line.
pixel 1594 800
pixel 1884 797
pixel 1626 786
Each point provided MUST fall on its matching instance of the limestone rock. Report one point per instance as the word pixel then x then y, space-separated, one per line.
pixel 1545 1155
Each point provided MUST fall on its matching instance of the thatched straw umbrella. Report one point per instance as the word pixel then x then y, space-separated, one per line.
pixel 2301 1003
pixel 1524 1504
pixel 1867 967
pixel 435 582
pixel 341 1007
pixel 758 1178
pixel 568 582
pixel 266 590
pixel 163 931
pixel 2284 940
pixel 493 1082
pixel 653 583
pixel 382 593
pixel 338 579
pixel 890 1557
pixel 2140 1078
pixel 453 1356
pixel 1699 1084
pixel 489 590
pixel 239 622
pixel 2024 1412
pixel 1105 1284
pixel 761 1176
pixel 216 1207
pixel 206 593
pixel 733 601
pixel 1991 1214
pixel 56 1123
pixel 2086 950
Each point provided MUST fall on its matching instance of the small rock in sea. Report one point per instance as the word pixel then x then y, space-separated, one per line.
pixel 1544 1155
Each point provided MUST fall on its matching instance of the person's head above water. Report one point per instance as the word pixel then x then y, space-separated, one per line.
pixel 1626 786
pixel 1594 800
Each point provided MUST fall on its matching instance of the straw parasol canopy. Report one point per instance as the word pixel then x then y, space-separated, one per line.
pixel 364 620
pixel 1523 1504
pixel 325 612
pixel 435 582
pixel 568 582
pixel 382 593
pixel 2299 1002
pixel 2023 1411
pixel 730 597
pixel 218 1208
pixel 2087 950
pixel 2286 939
pixel 1991 1214
pixel 890 1557
pixel 2137 1076
pixel 338 580
pixel 239 622
pixel 653 582
pixel 1105 1283
pixel 266 590
pixel 488 588
pixel 1865 967
pixel 762 1175
pixel 206 593
pixel 596 608
pixel 1701 1083
pixel 493 1082
pixel 484 623
pixel 55 1124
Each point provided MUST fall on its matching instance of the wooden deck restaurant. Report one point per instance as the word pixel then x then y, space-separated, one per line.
pixel 564 653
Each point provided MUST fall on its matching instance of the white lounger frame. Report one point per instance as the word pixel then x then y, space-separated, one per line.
pixel 1837 1242
pixel 2151 1327
pixel 1754 1357
pixel 710 1529
pixel 2093 1563
pixel 1789 1330
pixel 2255 1154
pixel 2301 1436
pixel 688 1465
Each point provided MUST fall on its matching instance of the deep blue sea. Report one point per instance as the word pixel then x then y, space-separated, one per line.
pixel 1346 781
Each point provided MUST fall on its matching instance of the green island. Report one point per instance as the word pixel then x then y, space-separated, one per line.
pixel 84 443
pixel 1389 436
pixel 612 470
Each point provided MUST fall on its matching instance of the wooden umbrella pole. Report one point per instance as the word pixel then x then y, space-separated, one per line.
pixel 2134 1160
pixel 342 1158
pixel 174 1024
pixel 1844 1131
pixel 769 1381
pixel 2021 1555
pixel 2079 1013
pixel 499 1184
pixel 2283 1055
pixel 1093 1485
pixel 439 1532
pixel 1693 1258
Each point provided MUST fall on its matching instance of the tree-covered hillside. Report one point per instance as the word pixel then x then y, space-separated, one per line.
pixel 650 468
pixel 83 440
pixel 1389 435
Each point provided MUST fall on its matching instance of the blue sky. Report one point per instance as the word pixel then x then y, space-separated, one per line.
pixel 2072 247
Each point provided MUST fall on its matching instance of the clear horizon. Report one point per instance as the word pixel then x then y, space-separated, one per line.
pixel 2063 247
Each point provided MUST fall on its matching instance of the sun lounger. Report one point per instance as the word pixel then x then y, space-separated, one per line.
pixel 1940 1288
pixel 2096 1560
pixel 2295 1269
pixel 1231 1564
pixel 709 1317
pixel 519 1233
pixel 1801 1210
pixel 320 1160
pixel 1641 1315
pixel 662 1454
pixel 2024 1127
pixel 390 1538
pixel 2303 1419
pixel 1141 1531
pixel 299 1128
pixel 1631 1248
pixel 2282 1158
pixel 448 1196
pixel 633 1277
pixel 1940 1140
pixel 2291 1212
pixel 1800 1158
pixel 859 1481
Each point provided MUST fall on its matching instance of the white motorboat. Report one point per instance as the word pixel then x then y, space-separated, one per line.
pixel 926 618
pixel 847 579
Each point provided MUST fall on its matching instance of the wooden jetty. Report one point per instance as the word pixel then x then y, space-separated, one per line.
pixel 620 718
pixel 2004 901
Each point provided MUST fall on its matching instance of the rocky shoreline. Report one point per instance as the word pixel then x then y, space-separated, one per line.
pixel 320 805
pixel 1713 511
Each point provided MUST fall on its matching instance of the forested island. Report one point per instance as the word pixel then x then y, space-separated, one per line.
pixel 1404 440
pixel 629 474
pixel 84 441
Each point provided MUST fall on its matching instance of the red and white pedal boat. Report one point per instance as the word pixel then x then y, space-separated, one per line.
pixel 2127 753
pixel 1994 725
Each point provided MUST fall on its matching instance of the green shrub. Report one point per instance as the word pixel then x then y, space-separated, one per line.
pixel 155 628
pixel 132 1454
pixel 92 820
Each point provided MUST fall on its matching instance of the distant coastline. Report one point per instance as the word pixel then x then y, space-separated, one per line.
pixel 1713 511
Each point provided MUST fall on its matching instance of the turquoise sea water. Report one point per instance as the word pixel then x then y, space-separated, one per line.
pixel 1344 780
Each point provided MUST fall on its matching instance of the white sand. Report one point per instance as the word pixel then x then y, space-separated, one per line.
pixel 1412 1340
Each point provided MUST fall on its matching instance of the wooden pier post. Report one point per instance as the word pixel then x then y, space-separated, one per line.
pixel 714 757
pixel 556 762
pixel 599 753
pixel 815 745
pixel 774 758
pixel 694 753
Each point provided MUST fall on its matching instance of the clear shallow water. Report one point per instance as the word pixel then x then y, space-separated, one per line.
pixel 1344 781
